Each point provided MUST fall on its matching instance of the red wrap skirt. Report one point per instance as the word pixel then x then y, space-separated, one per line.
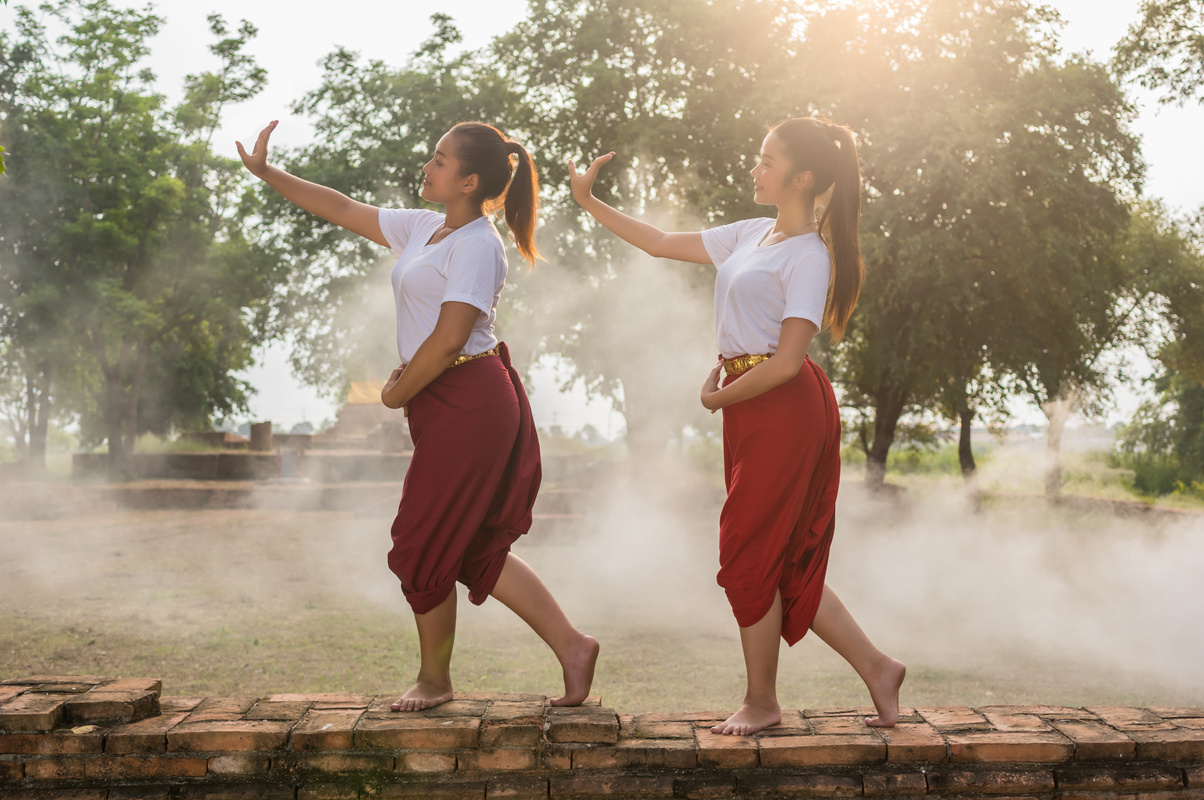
pixel 471 483
pixel 781 459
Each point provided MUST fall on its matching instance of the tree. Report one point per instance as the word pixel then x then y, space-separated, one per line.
pixel 126 240
pixel 1164 49
pixel 684 91
pixel 994 175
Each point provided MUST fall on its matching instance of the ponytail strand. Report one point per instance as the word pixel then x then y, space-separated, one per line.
pixel 522 202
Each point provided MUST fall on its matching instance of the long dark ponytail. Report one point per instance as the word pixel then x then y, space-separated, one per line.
pixel 483 151
pixel 829 153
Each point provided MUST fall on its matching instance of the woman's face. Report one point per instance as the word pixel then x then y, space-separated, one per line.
pixel 441 179
pixel 774 179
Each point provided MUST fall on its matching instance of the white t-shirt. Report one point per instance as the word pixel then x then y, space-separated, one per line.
pixel 757 287
pixel 467 266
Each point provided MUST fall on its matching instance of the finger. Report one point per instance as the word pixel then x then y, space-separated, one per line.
pixel 241 152
pixel 600 160
pixel 573 169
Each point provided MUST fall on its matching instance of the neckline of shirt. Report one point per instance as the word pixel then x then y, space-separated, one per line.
pixel 760 246
pixel 452 233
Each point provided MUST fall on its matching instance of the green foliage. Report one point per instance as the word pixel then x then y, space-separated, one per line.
pixel 125 260
pixel 1164 49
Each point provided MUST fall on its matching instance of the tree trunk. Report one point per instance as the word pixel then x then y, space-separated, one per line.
pixel 37 416
pixel 887 410
pixel 965 453
pixel 118 462
pixel 1057 412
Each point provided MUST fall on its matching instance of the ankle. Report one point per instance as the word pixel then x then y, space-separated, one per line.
pixel 437 681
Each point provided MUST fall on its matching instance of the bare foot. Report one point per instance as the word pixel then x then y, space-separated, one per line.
pixel 749 719
pixel 578 667
pixel 423 694
pixel 884 691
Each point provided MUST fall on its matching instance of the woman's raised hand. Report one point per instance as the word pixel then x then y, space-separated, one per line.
pixel 583 183
pixel 257 161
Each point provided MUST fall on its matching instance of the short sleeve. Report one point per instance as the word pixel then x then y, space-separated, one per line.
pixel 721 242
pixel 476 270
pixel 398 225
pixel 805 284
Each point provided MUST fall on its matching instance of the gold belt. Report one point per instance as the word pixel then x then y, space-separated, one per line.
pixel 496 351
pixel 742 364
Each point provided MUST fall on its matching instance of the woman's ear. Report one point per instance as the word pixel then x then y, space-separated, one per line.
pixel 802 180
pixel 469 186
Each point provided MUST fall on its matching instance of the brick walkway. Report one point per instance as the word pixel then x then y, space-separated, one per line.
pixel 95 737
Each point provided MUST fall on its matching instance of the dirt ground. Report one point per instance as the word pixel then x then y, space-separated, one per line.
pixel 1011 605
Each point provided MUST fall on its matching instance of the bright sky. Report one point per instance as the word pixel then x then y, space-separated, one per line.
pixel 294 35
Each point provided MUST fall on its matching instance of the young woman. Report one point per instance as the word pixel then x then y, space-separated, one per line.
pixel 777 283
pixel 475 470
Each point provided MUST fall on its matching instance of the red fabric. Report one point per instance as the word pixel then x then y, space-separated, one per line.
pixel 781 459
pixel 471 483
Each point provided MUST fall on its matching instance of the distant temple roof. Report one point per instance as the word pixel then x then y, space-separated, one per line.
pixel 364 392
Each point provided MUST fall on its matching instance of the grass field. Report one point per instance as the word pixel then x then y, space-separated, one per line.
pixel 1019 603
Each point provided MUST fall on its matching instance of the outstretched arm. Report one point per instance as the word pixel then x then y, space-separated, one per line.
pixel 793 343
pixel 321 200
pixel 649 238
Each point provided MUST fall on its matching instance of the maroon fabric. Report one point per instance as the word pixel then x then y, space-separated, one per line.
pixel 471 484
pixel 781 459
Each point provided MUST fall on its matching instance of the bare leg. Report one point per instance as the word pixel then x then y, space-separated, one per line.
pixel 882 674
pixel 521 590
pixel 761 642
pixel 436 635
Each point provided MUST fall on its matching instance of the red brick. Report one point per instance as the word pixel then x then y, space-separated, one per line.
pixel 845 726
pixel 59 793
pixel 793 724
pixel 954 718
pixel 240 764
pixel 639 753
pixel 282 711
pixel 9 692
pixel 344 763
pixel 581 725
pixel 132 685
pixel 895 785
pixel 33 712
pixel 11 771
pixel 323 701
pixel 806 751
pixel 381 708
pixel 1195 777
pixel 1192 722
pixel 51 744
pixel 34 680
pixel 221 708
pixel 726 752
pixel 1124 718
pixel 697 717
pixel 913 743
pixel 643 728
pixel 105 706
pixel 1127 778
pixel 504 697
pixel 994 747
pixel 452 791
pixel 512 725
pixel 326 730
pixel 426 762
pixel 1059 712
pixel 517 788
pixel 146 736
pixel 991 781
pixel 704 788
pixel 1095 741
pixel 1177 712
pixel 553 756
pixel 227 735
pixel 122 767
pixel 625 786
pixel 500 760
pixel 809 785
pixel 1177 744
pixel 222 791
pixel 410 731
pixel 54 769
pixel 1014 722
pixel 171 704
